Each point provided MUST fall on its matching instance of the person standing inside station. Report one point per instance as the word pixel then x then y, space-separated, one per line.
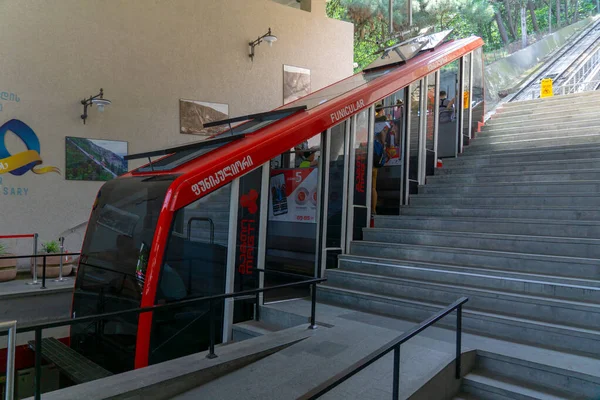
pixel 380 157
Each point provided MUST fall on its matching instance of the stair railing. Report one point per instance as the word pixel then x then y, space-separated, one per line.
pixel 395 346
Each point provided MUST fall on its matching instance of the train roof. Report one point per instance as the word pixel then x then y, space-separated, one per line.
pixel 205 166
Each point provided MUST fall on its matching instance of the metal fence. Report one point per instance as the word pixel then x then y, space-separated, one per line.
pixel 44 265
pixel 11 328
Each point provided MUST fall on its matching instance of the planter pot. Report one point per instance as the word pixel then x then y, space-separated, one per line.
pixel 52 271
pixel 8 273
pixel 53 266
pixel 11 262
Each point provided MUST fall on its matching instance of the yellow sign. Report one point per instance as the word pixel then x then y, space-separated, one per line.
pixel 546 88
pixel 465 99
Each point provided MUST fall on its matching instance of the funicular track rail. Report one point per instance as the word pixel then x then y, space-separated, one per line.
pixel 564 62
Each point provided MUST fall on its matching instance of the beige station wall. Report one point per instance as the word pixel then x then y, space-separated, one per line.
pixel 146 55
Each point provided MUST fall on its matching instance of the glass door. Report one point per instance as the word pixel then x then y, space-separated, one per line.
pixel 465 115
pixel 358 177
pixel 414 143
pixel 334 201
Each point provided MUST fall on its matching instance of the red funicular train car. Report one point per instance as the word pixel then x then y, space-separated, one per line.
pixel 193 223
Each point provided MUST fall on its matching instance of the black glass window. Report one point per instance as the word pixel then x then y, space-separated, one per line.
pixel 112 269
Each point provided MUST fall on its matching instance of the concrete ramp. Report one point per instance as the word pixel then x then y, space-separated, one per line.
pixel 168 379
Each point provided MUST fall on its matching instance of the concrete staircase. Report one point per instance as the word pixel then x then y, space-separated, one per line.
pixel 500 377
pixel 514 224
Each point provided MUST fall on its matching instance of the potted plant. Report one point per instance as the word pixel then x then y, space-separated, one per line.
pixel 8 267
pixel 53 262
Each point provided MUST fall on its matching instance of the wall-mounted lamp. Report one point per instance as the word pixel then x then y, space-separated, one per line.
pixel 267 37
pixel 98 100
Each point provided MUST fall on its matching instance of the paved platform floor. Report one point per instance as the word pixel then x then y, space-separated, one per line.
pixel 21 286
pixel 29 304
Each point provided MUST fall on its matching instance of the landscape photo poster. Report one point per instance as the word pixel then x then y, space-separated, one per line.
pixel 296 83
pixel 94 159
pixel 194 114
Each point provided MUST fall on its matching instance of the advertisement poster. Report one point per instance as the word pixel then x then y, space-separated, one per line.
pixel 293 195
pixel 248 230
pixel 360 179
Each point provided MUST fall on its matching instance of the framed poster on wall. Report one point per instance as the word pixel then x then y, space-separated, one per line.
pixel 94 159
pixel 194 114
pixel 296 83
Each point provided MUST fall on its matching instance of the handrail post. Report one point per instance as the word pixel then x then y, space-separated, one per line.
pixel 11 326
pixel 38 364
pixel 211 350
pixel 313 306
pixel 396 389
pixel 34 273
pixel 257 310
pixel 458 340
pixel 43 273
pixel 60 270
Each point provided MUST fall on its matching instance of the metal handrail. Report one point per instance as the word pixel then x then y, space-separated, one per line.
pixel 38 328
pixel 395 345
pixel 36 256
pixel 11 328
pixel 206 219
pixel 586 86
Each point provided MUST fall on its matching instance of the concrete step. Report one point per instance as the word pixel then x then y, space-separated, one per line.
pixel 512 200
pixel 501 143
pixel 538 308
pixel 466 396
pixel 548 376
pixel 574 267
pixel 557 153
pixel 486 386
pixel 520 176
pixel 535 227
pixel 505 327
pixel 203 235
pixel 538 114
pixel 251 329
pixel 547 128
pixel 535 166
pixel 567 98
pixel 548 131
pixel 501 123
pixel 456 209
pixel 534 188
pixel 548 245
pixel 486 278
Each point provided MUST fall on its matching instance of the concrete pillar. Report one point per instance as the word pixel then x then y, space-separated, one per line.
pixel 314 6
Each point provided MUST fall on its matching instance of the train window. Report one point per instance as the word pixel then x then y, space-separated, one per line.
pixel 292 223
pixel 194 266
pixel 120 230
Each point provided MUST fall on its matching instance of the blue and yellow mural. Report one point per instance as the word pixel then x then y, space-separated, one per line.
pixel 29 160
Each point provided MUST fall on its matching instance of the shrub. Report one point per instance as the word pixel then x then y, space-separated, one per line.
pixel 51 247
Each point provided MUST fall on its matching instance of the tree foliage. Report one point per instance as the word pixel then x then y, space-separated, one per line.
pixel 498 22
